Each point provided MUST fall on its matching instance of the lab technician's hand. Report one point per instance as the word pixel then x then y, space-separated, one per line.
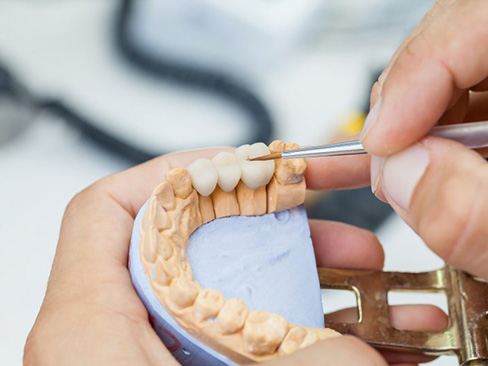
pixel 91 314
pixel 440 188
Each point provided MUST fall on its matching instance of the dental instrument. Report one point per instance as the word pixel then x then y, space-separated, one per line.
pixel 473 135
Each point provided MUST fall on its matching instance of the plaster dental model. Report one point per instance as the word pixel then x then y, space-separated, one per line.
pixel 221 256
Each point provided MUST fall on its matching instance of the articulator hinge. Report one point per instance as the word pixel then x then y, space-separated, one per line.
pixel 467 332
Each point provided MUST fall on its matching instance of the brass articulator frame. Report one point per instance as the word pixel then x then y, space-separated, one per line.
pixel 467 332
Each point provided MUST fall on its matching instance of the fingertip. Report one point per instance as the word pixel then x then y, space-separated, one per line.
pixel 421 317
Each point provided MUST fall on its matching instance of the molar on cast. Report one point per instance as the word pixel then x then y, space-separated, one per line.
pixel 183 292
pixel 232 316
pixel 276 146
pixel 263 332
pixel 288 171
pixel 208 304
pixel 180 181
pixel 204 176
pixel 255 174
pixel 228 169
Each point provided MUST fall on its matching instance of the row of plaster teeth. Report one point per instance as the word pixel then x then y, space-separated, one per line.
pixel 226 169
pixel 263 333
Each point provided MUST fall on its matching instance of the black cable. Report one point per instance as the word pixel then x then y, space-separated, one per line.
pixel 207 80
pixel 103 139
pixel 13 90
pixel 204 79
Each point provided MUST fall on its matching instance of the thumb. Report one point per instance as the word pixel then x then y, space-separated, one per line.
pixel 337 351
pixel 440 188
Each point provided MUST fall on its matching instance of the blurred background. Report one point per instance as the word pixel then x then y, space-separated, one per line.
pixel 89 87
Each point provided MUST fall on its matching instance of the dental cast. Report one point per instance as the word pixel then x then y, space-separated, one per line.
pixel 175 210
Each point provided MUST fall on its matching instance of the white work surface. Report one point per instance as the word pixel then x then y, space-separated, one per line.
pixel 48 163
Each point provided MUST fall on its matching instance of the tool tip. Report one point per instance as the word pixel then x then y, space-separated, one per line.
pixel 271 156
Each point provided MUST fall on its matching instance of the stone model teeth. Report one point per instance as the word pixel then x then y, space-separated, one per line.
pixel 208 304
pixel 232 316
pixel 264 332
pixel 255 174
pixel 183 292
pixel 228 169
pixel 204 176
pixel 175 210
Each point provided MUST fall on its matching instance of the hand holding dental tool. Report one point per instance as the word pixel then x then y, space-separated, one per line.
pixel 472 135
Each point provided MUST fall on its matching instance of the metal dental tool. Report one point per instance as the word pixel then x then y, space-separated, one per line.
pixel 473 135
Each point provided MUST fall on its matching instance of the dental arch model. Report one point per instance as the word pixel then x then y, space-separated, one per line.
pixel 227 185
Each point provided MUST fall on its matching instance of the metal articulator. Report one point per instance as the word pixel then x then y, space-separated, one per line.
pixel 467 332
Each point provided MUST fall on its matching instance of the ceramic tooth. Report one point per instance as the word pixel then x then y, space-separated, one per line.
pixel 228 169
pixel 203 176
pixel 255 174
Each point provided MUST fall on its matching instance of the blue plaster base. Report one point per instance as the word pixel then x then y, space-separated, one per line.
pixel 267 260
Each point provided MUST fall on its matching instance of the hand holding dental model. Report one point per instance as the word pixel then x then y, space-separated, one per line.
pixel 439 187
pixel 91 313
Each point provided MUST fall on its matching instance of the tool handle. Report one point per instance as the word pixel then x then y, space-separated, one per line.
pixel 473 135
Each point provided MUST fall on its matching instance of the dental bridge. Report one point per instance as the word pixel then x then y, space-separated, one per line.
pixel 231 185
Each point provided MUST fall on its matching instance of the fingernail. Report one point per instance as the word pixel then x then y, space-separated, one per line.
pixel 376 169
pixel 402 172
pixel 371 119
